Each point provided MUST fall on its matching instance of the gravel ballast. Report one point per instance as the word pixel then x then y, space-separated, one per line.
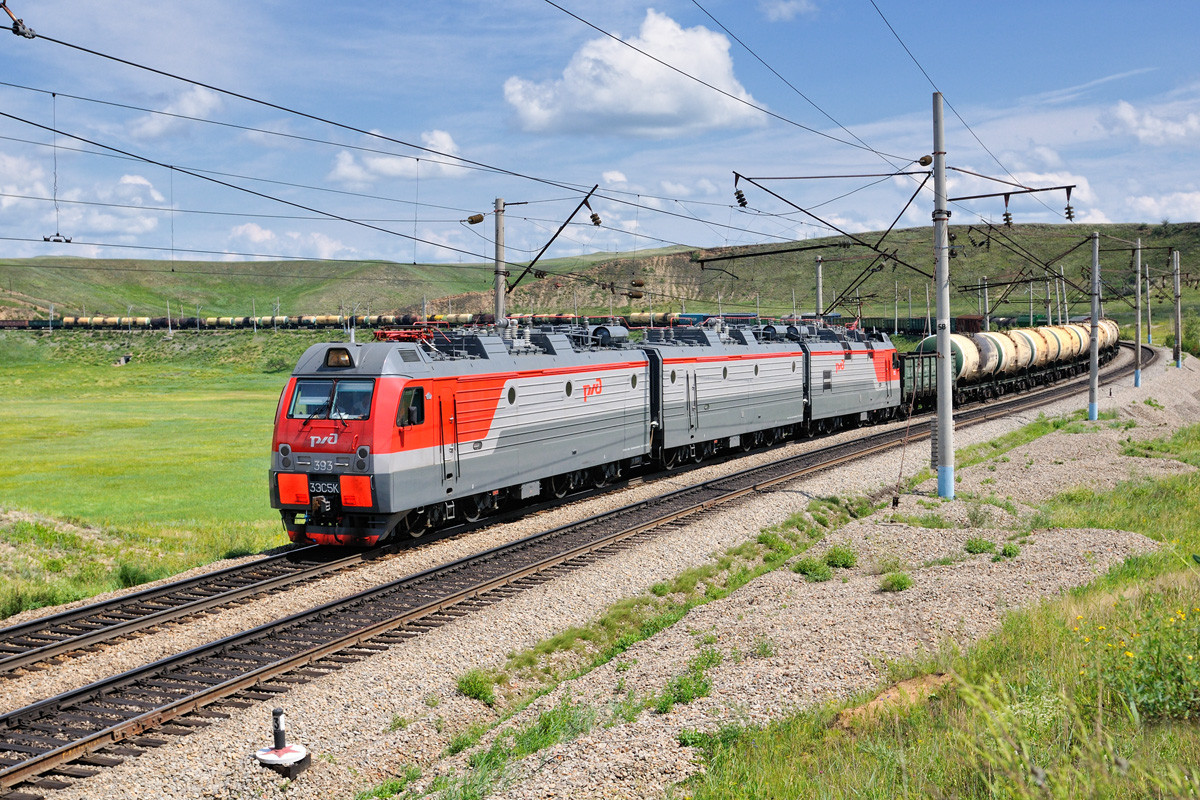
pixel 784 642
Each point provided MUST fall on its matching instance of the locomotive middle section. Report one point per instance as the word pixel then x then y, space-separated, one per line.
pixel 400 435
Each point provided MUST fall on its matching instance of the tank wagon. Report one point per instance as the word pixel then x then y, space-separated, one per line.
pixel 389 437
pixel 991 363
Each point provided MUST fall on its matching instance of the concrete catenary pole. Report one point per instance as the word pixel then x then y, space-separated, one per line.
pixel 1094 350
pixel 1137 338
pixel 987 309
pixel 1178 352
pixel 896 312
pixel 945 360
pixel 1057 302
pixel 498 270
pixel 928 319
pixel 820 290
pixel 1149 319
pixel 1065 316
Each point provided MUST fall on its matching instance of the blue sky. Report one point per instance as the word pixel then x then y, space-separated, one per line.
pixel 1100 94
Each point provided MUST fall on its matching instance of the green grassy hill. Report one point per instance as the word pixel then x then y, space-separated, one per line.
pixel 674 278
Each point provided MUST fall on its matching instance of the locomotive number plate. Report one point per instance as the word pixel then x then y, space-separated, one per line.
pixel 324 484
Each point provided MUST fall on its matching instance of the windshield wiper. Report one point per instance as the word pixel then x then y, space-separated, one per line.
pixel 320 410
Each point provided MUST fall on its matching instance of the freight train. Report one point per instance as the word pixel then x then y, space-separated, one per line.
pixel 375 440
pixel 915 326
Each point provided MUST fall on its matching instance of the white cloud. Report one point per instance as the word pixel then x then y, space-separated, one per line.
pixel 1177 206
pixel 253 232
pixel 124 224
pixel 363 169
pixel 195 102
pixel 1152 128
pixel 346 169
pixel 20 176
pixel 318 245
pixel 134 188
pixel 290 243
pixel 613 176
pixel 610 88
pixel 786 10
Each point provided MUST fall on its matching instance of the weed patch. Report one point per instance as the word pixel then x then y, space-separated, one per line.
pixel 895 582
pixel 478 685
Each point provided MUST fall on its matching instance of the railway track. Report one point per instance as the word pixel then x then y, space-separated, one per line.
pixel 73 734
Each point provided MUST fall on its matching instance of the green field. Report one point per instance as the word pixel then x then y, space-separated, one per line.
pixel 161 462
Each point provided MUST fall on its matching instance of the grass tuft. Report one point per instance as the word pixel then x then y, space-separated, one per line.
pixel 895 582
pixel 478 685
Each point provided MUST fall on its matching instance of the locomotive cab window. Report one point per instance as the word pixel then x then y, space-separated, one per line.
pixel 328 399
pixel 412 407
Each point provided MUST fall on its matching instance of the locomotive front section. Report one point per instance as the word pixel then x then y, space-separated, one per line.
pixel 322 474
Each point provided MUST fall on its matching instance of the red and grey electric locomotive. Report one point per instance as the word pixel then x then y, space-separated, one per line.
pixel 397 436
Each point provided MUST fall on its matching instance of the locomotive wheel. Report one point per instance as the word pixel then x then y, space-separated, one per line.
pixel 415 523
pixel 597 477
pixel 469 509
pixel 670 459
pixel 436 514
pixel 768 437
pixel 697 454
pixel 604 475
pixel 560 485
pixel 746 443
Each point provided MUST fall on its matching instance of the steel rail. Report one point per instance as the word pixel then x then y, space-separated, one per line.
pixel 102 621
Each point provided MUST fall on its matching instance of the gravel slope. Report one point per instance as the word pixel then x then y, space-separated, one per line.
pixel 368 721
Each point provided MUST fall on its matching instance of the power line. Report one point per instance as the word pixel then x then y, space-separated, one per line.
pixel 289 184
pixel 948 103
pixel 275 256
pixel 244 189
pixel 206 212
pixel 235 126
pixel 708 85
pixel 788 83
pixel 605 194
pixel 305 115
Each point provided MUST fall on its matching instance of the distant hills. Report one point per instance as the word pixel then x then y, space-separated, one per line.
pixel 674 279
